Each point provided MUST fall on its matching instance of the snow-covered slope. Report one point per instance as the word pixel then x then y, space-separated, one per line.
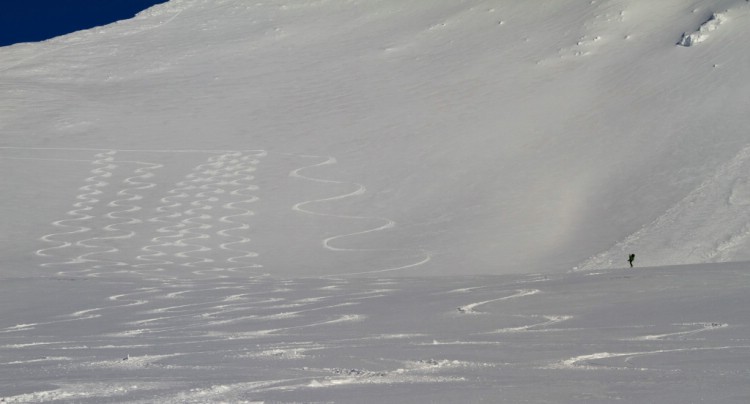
pixel 235 201
pixel 440 137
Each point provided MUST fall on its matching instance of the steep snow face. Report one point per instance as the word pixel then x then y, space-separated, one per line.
pixel 314 138
pixel 711 224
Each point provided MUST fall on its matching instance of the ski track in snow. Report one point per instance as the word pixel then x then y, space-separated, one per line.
pixel 86 200
pixel 681 335
pixel 470 308
pixel 126 206
pixel 210 209
pixel 423 256
pixel 121 334
pixel 549 320
pixel 602 360
pixel 147 319
pixel 284 338
pixel 223 183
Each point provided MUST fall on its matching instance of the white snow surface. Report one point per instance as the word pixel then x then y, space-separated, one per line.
pixel 669 335
pixel 343 201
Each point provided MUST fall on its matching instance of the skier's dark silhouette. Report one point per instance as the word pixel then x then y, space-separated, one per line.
pixel 631 258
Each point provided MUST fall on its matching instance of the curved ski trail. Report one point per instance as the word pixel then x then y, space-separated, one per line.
pixel 87 200
pixel 188 216
pixel 328 243
pixel 209 210
pixel 470 308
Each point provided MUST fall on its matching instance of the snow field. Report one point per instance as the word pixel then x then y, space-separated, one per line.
pixel 596 335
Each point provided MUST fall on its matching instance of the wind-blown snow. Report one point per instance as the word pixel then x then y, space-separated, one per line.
pixel 197 203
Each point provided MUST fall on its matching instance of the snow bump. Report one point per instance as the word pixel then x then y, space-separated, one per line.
pixel 690 39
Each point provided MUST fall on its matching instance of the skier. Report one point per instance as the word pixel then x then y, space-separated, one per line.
pixel 631 258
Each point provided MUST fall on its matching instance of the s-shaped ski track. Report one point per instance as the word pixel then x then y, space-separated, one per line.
pixel 302 207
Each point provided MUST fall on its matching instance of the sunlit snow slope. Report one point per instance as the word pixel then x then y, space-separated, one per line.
pixel 420 137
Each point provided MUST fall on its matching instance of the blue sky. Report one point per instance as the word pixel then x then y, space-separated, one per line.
pixel 37 20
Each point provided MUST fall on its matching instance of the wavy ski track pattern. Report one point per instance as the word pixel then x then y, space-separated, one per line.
pixel 81 220
pixel 421 256
pixel 208 210
pixel 122 219
pixel 187 220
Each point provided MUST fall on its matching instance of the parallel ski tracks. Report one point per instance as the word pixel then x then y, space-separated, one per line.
pixel 87 199
pixel 125 220
pixel 208 210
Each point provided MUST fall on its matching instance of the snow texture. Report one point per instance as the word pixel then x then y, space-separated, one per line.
pixel 671 335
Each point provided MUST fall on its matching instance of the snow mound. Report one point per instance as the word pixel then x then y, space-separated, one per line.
pixel 704 31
